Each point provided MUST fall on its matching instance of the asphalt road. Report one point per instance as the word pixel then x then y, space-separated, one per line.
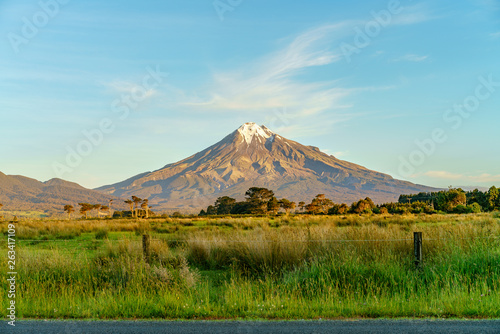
pixel 261 327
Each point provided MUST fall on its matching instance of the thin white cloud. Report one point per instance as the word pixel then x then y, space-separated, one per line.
pixel 495 34
pixel 481 178
pixel 444 175
pixel 412 15
pixel 485 177
pixel 411 57
pixel 127 87
pixel 258 88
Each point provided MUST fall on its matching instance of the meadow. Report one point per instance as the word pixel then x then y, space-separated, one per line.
pixel 286 267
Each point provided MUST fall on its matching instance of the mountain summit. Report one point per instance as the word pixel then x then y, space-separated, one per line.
pixel 251 130
pixel 251 156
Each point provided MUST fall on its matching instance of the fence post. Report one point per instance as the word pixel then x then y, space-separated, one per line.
pixel 145 246
pixel 417 248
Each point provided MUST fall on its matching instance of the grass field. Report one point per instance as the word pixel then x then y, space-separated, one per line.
pixel 297 267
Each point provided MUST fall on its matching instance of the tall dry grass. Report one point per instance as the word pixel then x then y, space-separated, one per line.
pixel 64 229
pixel 371 238
pixel 283 267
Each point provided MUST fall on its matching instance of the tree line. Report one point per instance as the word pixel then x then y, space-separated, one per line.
pixel 262 201
pixel 457 200
pixel 258 201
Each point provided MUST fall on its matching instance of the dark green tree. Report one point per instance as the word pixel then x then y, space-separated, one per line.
pixel 224 205
pixel 257 199
pixel 240 208
pixel 338 209
pixel 493 198
pixel 211 211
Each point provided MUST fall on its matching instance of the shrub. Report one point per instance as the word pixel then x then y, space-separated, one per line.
pixel 475 207
pixel 462 209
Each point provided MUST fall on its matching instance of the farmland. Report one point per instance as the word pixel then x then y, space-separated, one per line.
pixel 284 267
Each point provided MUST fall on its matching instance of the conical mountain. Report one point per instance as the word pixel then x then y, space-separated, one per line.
pixel 251 156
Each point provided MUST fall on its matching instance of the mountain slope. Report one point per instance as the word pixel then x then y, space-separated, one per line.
pixel 255 156
pixel 23 193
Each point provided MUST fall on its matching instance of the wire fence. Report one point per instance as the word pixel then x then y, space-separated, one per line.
pixel 253 241
pixel 84 248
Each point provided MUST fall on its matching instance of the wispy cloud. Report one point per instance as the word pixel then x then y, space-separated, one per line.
pixel 271 81
pixel 412 15
pixel 444 175
pixel 127 87
pixel 481 178
pixel 280 79
pixel 411 57
pixel 495 34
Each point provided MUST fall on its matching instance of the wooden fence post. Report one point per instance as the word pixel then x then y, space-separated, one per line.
pixel 417 248
pixel 145 246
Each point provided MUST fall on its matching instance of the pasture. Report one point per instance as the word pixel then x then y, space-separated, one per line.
pixel 287 267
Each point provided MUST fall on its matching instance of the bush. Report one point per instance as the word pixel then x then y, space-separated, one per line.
pixel 475 207
pixel 462 209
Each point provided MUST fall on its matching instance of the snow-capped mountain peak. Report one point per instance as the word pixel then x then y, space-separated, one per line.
pixel 250 130
pixel 254 156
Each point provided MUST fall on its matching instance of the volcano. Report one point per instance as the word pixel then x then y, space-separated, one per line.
pixel 254 156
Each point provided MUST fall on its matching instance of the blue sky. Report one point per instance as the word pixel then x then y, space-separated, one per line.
pixel 409 88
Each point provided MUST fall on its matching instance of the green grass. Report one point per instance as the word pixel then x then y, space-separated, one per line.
pixel 25 214
pixel 284 268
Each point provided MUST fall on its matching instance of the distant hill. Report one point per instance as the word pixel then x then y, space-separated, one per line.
pixel 251 156
pixel 20 193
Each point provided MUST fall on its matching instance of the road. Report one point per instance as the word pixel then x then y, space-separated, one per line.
pixel 261 327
